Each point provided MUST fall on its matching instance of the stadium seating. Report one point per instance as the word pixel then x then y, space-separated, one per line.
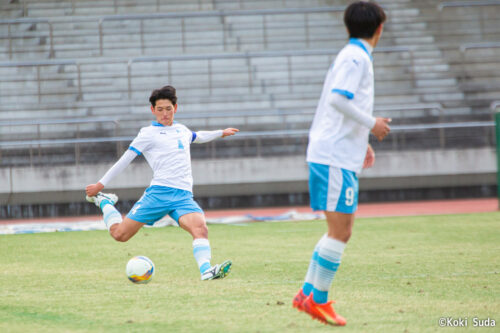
pixel 227 57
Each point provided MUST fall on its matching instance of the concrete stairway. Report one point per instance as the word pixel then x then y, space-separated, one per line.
pixel 434 71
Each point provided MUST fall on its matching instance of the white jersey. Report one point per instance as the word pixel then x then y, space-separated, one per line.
pixel 334 139
pixel 166 149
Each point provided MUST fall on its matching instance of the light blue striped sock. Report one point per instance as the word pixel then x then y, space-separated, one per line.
pixel 309 280
pixel 103 203
pixel 329 256
pixel 202 253
pixel 111 215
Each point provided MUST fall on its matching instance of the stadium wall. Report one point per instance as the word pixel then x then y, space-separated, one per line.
pixel 277 179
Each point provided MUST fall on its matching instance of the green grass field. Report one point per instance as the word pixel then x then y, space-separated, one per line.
pixel 398 275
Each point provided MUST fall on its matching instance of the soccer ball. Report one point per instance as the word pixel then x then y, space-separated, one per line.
pixel 140 269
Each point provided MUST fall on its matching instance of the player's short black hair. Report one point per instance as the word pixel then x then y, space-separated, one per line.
pixel 362 19
pixel 167 92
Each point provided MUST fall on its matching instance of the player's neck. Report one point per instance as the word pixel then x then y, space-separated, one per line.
pixel 376 37
pixel 372 41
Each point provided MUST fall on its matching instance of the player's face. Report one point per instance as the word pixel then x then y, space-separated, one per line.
pixel 164 112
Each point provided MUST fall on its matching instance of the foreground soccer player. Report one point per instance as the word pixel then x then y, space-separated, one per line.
pixel 165 145
pixel 338 149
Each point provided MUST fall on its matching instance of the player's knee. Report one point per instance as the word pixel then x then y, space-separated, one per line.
pixel 343 236
pixel 120 236
pixel 346 235
pixel 201 231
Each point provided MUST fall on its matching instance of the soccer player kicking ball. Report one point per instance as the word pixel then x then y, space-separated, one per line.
pixel 338 149
pixel 165 145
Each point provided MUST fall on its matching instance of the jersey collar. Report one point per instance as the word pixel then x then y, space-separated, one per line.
pixel 155 123
pixel 364 45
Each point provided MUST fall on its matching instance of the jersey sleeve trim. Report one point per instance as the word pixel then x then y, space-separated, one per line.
pixel 135 150
pixel 193 137
pixel 345 93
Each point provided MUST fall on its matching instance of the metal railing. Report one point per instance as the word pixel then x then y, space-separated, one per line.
pixel 251 55
pixel 156 3
pixel 43 63
pixel 468 46
pixel 10 22
pixel 391 111
pixel 476 3
pixel 247 56
pixel 394 111
pixel 257 137
pixel 253 139
pixel 222 14
pixel 182 16
pixel 38 142
pixel 495 105
pixel 464 4
pixel 471 46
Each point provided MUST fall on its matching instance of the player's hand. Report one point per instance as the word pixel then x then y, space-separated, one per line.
pixel 229 131
pixel 369 158
pixel 93 189
pixel 381 128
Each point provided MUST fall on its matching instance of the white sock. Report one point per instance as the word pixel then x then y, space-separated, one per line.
pixel 111 215
pixel 202 253
pixel 311 271
pixel 329 256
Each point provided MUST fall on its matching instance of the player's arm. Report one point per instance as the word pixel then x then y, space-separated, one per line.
pixel 207 136
pixel 369 158
pixel 378 126
pixel 118 167
pixel 349 73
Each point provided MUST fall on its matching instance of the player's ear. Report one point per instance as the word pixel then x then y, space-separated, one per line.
pixel 175 108
pixel 152 109
pixel 380 28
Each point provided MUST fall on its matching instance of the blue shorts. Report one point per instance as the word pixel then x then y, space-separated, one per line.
pixel 333 189
pixel 158 201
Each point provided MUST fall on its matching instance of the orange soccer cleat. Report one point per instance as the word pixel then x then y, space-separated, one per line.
pixel 298 300
pixel 323 312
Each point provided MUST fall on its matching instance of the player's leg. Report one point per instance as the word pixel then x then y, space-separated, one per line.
pixel 328 259
pixel 123 231
pixel 339 225
pixel 318 195
pixel 195 224
pixel 341 203
pixel 330 253
pixel 307 287
pixel 106 202
pixel 120 229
